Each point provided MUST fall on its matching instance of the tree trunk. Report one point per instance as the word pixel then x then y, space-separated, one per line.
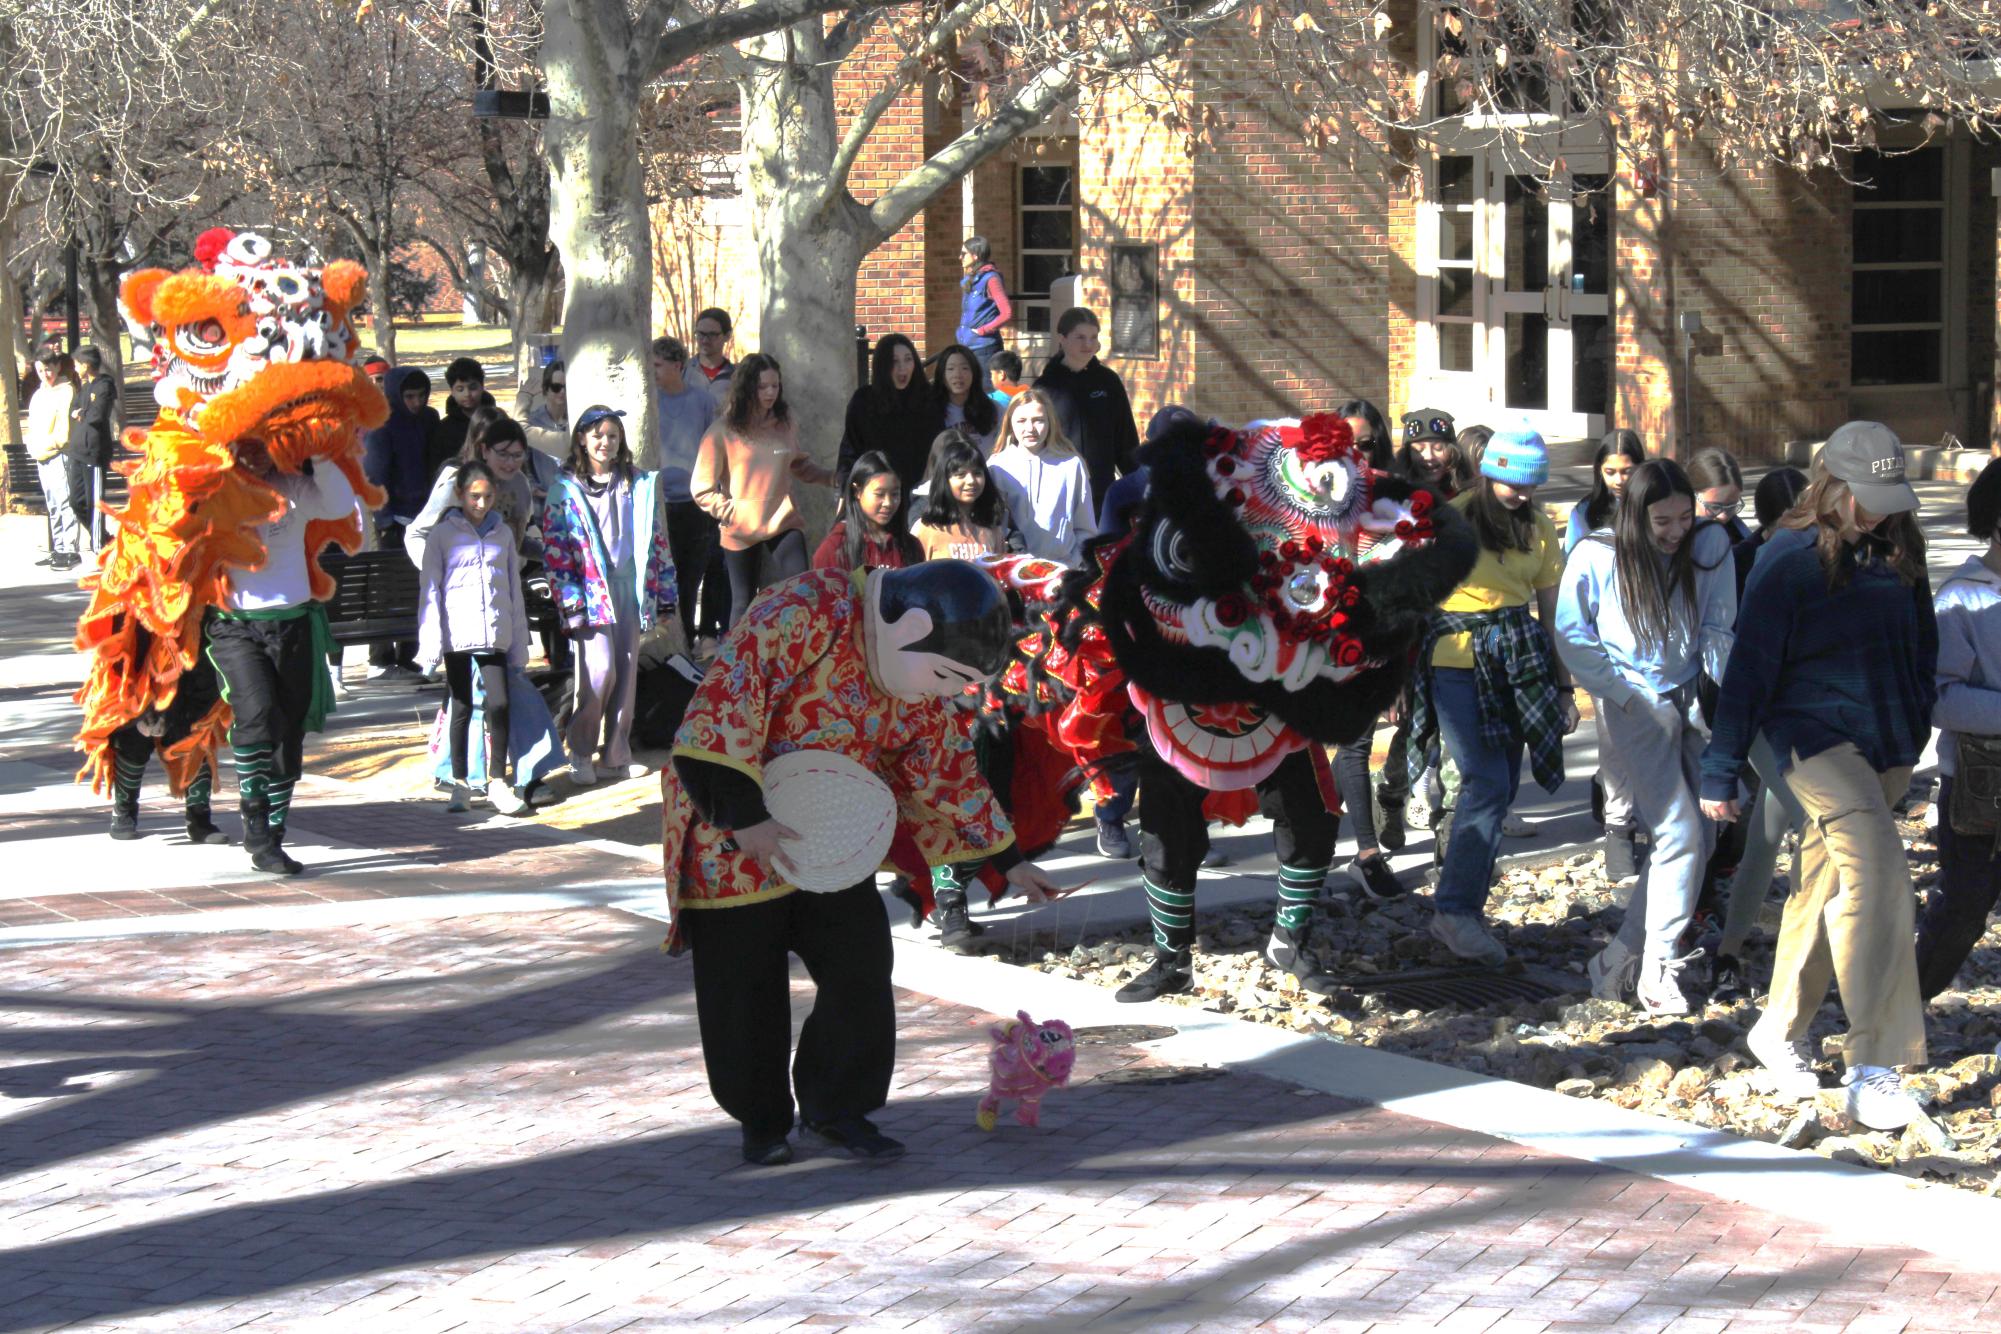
pixel 531 299
pixel 10 335
pixel 807 255
pixel 382 313
pixel 597 215
pixel 106 324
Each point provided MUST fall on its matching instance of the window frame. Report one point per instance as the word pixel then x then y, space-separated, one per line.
pixel 1942 268
pixel 1023 298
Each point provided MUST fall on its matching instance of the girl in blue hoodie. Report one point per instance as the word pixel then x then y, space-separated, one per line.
pixel 1643 610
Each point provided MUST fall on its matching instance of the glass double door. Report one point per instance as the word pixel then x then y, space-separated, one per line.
pixel 1520 321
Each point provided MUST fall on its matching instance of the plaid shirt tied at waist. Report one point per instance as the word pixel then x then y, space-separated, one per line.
pixel 1514 673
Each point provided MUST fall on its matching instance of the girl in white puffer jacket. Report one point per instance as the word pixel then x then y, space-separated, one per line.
pixel 471 614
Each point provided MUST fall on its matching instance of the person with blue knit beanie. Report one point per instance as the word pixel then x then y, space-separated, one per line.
pixel 1489 681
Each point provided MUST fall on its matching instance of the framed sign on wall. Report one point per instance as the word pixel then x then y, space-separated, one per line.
pixel 1135 283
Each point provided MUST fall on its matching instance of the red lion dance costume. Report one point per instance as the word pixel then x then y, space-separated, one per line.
pixel 248 350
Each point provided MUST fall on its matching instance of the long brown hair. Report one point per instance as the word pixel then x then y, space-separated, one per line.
pixel 743 392
pixel 1826 506
pixel 1649 592
pixel 1499 528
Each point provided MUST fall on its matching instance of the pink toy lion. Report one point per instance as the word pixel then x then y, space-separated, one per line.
pixel 1028 1060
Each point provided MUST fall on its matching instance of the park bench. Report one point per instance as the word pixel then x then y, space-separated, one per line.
pixel 375 596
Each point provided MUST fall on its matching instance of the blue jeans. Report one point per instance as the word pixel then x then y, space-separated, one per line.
pixel 1124 788
pixel 1489 776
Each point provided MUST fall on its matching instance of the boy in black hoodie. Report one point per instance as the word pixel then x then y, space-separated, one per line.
pixel 465 380
pixel 1091 403
pixel 396 456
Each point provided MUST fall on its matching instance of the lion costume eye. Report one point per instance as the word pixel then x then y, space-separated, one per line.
pixel 203 339
pixel 1170 552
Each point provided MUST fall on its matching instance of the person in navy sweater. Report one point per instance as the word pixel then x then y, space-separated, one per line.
pixel 984 309
pixel 1835 663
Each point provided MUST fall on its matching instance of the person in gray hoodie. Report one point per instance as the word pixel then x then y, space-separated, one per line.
pixel 1969 702
pixel 1641 613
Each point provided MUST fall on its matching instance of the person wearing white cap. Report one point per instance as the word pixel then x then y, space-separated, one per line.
pixel 1835 663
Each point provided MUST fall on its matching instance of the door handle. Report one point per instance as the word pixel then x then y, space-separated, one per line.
pixel 1548 314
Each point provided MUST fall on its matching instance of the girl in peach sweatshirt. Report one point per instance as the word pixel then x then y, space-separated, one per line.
pixel 743 478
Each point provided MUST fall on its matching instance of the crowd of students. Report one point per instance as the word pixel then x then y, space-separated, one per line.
pixel 1743 683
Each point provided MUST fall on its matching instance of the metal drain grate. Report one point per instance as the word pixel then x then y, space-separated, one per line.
pixel 1160 1074
pixel 1121 1035
pixel 1454 988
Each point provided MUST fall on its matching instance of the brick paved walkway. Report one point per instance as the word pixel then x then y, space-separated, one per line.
pixel 502 1123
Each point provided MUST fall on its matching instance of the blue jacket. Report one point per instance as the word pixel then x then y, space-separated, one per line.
pixel 978 309
pixel 393 455
pixel 1813 668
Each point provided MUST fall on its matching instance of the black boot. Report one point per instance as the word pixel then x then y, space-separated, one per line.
pixel 1622 862
pixel 1170 973
pixel 265 844
pixel 956 928
pixel 201 829
pixel 124 816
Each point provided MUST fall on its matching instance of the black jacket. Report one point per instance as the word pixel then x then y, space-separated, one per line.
pixel 902 432
pixel 1096 415
pixel 91 439
pixel 449 436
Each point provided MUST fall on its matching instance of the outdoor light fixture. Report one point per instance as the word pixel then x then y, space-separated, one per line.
pixel 504 104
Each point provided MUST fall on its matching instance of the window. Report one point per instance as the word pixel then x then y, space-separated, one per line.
pixel 1897 311
pixel 1047 228
pixel 1454 195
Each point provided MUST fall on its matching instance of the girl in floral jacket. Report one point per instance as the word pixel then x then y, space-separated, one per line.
pixel 605 547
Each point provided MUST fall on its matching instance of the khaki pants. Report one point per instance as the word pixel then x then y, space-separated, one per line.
pixel 1852 916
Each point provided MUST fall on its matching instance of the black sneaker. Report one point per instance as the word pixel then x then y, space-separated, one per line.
pixel 201 829
pixel 956 928
pixel 767 1152
pixel 1375 877
pixel 1390 833
pixel 124 823
pixel 1170 973
pixel 858 1135
pixel 1729 979
pixel 273 858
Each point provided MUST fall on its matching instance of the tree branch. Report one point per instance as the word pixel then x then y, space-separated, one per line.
pixel 1027 108
pixel 942 37
pixel 677 44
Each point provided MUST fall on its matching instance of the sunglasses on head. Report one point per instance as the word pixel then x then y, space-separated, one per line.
pixel 1414 427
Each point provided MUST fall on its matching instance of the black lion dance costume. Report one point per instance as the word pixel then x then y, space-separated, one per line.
pixel 1263 607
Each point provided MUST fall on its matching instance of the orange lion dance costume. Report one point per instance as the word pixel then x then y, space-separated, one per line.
pixel 246 347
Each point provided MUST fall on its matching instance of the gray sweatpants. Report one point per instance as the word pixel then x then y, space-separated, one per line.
pixel 1660 756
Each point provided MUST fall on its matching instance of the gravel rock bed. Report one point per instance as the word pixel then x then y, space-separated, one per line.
pixel 1553 917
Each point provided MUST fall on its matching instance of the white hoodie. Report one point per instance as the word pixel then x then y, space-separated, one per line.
pixel 1968 604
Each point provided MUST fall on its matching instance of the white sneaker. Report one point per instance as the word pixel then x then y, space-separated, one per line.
pixel 1467 937
pixel 341 689
pixel 1658 987
pixel 1514 826
pixel 461 798
pixel 582 774
pixel 1874 1096
pixel 1613 971
pixel 621 772
pixel 504 798
pixel 1788 1063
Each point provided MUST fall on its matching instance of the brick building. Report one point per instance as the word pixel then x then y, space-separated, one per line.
pixel 1251 277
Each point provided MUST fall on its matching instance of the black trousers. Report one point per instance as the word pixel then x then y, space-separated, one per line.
pixel 386 652
pixel 493 684
pixel 193 698
pixel 1174 838
pixel 1351 780
pixel 743 999
pixel 267 669
pixel 695 540
pixel 1969 882
pixel 759 566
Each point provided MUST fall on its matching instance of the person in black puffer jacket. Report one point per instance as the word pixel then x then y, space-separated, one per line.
pixel 1091 403
pixel 894 414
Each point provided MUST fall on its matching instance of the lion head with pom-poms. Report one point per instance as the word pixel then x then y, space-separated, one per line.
pixel 246 346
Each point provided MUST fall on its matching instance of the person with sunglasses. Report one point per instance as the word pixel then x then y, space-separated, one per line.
pixel 542 406
pixel 1719 490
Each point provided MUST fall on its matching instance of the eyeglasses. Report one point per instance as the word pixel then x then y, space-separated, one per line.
pixel 1729 511
pixel 506 452
pixel 708 333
